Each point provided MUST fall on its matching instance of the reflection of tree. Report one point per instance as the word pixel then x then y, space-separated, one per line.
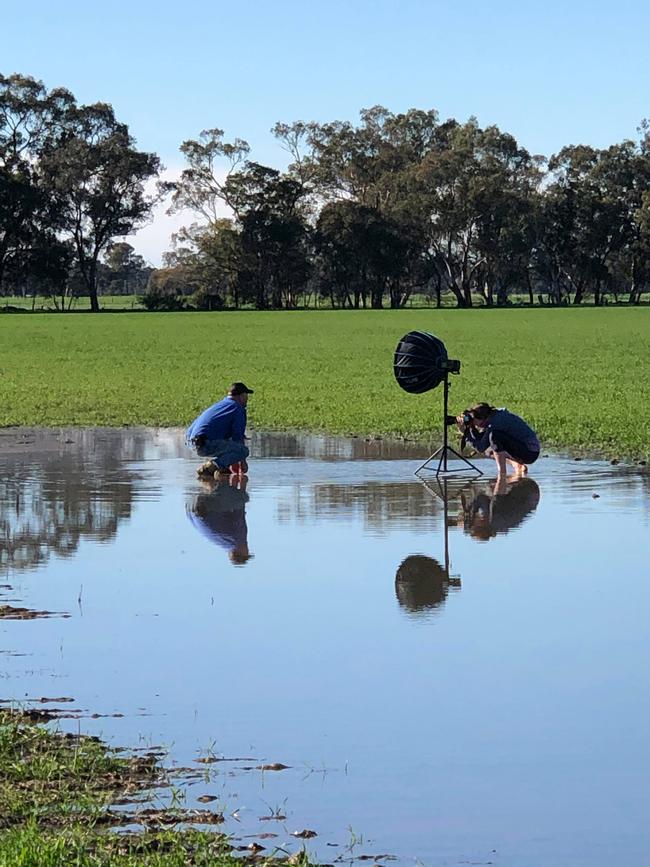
pixel 486 514
pixel 56 488
pixel 326 448
pixel 380 505
pixel 422 583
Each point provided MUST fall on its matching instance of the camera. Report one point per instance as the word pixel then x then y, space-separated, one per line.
pixel 467 418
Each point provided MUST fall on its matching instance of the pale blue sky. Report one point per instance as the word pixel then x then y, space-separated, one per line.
pixel 551 74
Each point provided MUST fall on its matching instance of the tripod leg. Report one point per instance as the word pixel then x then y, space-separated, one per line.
pixel 429 460
pixel 454 454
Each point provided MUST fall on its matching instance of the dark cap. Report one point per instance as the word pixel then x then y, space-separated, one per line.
pixel 239 388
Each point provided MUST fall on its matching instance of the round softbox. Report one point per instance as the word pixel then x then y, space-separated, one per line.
pixel 419 362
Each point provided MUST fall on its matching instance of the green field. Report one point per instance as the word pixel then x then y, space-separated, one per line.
pixel 579 375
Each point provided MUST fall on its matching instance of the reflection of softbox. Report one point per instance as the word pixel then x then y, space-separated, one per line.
pixel 421 583
pixel 420 362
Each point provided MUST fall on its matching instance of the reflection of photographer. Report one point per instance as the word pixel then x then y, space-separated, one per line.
pixel 489 513
pixel 219 514
pixel 500 433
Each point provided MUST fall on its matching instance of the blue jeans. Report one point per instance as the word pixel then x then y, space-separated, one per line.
pixel 223 452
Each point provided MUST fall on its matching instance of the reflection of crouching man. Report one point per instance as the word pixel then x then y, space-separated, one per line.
pixel 218 433
pixel 219 514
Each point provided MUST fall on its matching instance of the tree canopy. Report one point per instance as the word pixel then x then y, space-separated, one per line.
pixel 364 214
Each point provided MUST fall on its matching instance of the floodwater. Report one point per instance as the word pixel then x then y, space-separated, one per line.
pixel 478 695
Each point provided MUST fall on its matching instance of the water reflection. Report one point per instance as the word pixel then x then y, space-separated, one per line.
pixel 334 626
pixel 488 511
pixel 381 506
pixel 59 487
pixel 219 513
pixel 327 448
pixel 422 583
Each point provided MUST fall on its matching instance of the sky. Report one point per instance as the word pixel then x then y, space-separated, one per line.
pixel 552 73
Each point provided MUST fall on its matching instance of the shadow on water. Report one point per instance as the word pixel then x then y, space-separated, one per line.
pixel 441 721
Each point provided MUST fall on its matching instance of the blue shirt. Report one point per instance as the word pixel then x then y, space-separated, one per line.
pixel 508 423
pixel 225 420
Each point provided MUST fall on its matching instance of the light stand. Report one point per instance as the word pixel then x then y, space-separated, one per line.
pixel 447 452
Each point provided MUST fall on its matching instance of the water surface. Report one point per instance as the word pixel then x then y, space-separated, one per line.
pixel 474 696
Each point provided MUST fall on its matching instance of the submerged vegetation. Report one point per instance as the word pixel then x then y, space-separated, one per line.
pixel 576 374
pixel 58 797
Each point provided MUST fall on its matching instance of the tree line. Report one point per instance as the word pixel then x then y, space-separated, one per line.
pixel 395 208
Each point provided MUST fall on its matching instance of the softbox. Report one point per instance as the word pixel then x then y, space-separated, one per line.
pixel 421 362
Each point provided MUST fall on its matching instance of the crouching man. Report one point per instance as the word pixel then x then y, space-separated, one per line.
pixel 218 434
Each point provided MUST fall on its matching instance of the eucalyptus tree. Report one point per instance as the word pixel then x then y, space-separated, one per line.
pixel 275 237
pixel 210 258
pixel 28 115
pixel 363 256
pixel 201 187
pixel 474 196
pixel 598 198
pixel 363 169
pixel 99 182
pixel 125 272
pixel 271 253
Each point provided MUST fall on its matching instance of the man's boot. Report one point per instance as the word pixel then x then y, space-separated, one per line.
pixel 209 468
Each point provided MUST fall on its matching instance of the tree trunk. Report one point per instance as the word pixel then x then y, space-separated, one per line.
pixel 635 288
pixel 531 299
pixel 438 291
pixel 91 282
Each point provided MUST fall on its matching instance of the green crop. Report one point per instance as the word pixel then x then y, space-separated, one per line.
pixel 578 375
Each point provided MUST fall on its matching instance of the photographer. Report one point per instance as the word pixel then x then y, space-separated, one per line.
pixel 502 434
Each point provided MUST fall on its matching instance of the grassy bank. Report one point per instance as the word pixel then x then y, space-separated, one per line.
pixel 578 375
pixel 56 793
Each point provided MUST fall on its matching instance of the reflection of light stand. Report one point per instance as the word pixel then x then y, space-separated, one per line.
pixel 441 492
pixel 447 452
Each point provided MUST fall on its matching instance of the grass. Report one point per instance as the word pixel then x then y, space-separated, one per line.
pixel 55 797
pixel 578 375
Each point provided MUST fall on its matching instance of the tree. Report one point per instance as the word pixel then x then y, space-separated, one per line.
pixel 274 235
pixel 97 179
pixel 472 196
pixel 201 187
pixel 126 272
pixel 28 114
pixel 209 257
pixel 597 195
pixel 362 253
